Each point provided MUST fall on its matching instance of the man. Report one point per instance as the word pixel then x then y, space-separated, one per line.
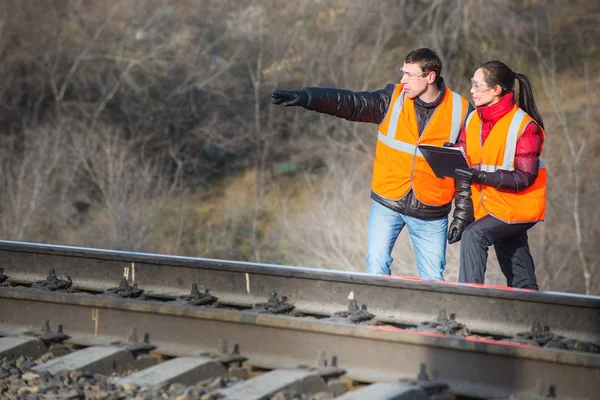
pixel 405 191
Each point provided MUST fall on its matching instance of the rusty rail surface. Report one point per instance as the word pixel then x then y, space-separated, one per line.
pixel 484 310
pixel 478 368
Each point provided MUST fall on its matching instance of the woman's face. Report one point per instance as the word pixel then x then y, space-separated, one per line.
pixel 482 94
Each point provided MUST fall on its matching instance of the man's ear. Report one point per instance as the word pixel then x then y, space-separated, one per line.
pixel 431 77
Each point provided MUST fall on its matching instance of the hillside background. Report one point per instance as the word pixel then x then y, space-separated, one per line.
pixel 147 125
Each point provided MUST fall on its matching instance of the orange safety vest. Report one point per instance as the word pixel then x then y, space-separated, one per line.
pixel 498 152
pixel 399 164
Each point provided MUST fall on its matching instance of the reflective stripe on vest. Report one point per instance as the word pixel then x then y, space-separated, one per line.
pixel 528 205
pixel 511 145
pixel 493 168
pixel 399 165
pixel 389 141
pixel 469 117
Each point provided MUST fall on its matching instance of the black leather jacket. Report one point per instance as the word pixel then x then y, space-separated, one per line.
pixel 372 107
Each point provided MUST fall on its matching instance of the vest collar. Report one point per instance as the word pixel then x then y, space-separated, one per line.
pixel 494 112
pixel 437 101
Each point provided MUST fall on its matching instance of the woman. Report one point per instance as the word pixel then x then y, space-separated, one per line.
pixel 503 141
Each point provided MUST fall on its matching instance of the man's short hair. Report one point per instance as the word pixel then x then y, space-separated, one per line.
pixel 426 59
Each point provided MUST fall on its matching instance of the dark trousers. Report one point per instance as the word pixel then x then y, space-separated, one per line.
pixel 512 250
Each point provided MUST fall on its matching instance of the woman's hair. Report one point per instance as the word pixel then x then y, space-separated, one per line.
pixel 498 73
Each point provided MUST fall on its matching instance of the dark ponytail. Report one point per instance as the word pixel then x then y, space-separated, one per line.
pixel 498 73
pixel 526 100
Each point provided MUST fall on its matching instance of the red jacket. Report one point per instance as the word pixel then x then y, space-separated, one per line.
pixel 527 153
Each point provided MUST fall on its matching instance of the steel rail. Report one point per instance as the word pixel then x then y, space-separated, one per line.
pixel 404 301
pixel 367 353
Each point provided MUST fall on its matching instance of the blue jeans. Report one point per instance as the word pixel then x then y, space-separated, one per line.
pixel 428 238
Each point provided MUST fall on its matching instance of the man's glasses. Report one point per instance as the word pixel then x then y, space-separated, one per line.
pixel 479 87
pixel 411 75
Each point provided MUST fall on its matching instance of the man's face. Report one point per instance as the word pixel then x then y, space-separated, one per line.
pixel 414 80
pixel 482 94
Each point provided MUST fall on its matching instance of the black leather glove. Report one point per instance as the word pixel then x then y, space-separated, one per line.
pixel 471 175
pixel 290 98
pixel 463 208
pixel 456 229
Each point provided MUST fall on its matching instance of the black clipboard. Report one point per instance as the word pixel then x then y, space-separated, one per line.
pixel 444 160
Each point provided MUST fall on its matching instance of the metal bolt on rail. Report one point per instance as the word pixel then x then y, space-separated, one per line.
pixel 125 290
pixel 48 336
pixel 423 376
pixel 135 346
pixel 324 370
pixel 133 337
pixel 354 313
pixel 228 358
pixel 3 277
pixel 333 371
pixel 536 335
pixel 431 387
pixel 321 360
pixel 198 298
pixel 222 347
pixel 444 325
pixel 45 327
pixel 544 337
pixel 54 283
pixel 274 305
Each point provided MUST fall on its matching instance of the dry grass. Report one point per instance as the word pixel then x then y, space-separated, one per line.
pixel 303 222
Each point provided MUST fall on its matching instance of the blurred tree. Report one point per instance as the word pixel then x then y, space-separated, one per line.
pixel 118 117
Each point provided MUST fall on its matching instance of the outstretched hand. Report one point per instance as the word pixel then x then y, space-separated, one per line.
pixel 290 98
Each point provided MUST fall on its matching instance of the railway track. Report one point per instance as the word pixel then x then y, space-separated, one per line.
pixel 55 366
pixel 470 341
